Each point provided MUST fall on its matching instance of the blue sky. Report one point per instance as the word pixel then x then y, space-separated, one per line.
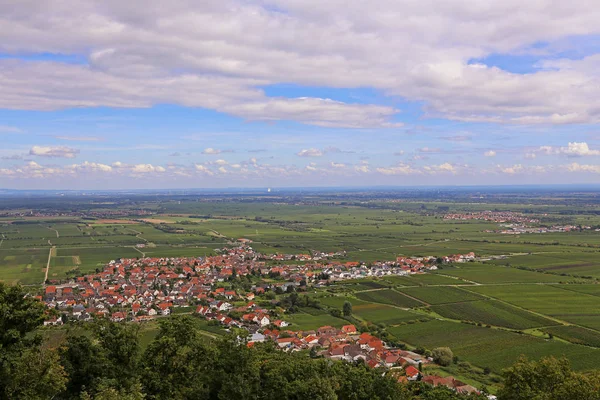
pixel 273 93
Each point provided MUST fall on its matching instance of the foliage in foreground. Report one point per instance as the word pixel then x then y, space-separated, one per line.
pixel 182 364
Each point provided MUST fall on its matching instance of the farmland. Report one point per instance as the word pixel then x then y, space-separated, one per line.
pixel 493 313
pixel 440 295
pixel 494 348
pixel 536 283
pixel 388 296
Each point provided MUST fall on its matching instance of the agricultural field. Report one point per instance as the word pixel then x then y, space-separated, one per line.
pixel 491 312
pixel 388 296
pixel 493 348
pixel 575 334
pixel 23 266
pixel 305 322
pixel 583 263
pixel 382 314
pixel 424 280
pixel 489 273
pixel 565 305
pixel 440 294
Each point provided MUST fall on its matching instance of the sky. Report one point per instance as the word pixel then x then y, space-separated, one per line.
pixel 289 93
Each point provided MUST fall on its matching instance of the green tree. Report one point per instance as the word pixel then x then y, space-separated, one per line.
pixel 347 309
pixel 548 379
pixel 27 370
pixel 442 356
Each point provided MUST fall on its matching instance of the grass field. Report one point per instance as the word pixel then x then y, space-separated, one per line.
pixel 493 348
pixel 440 294
pixel 388 296
pixel 575 334
pixel 493 313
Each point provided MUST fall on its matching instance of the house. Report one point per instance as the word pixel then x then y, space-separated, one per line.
pixel 326 331
pixel 349 329
pixel 280 324
pixel 412 374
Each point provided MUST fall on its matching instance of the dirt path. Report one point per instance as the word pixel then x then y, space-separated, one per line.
pixel 2 239
pixel 139 251
pixel 50 254
pixel 57 234
pixel 138 234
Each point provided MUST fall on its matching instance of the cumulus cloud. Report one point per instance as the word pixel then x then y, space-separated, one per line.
pixel 219 56
pixel 400 169
pixel 399 153
pixel 574 149
pixel 211 151
pixel 490 153
pixel 53 151
pixel 312 152
pixel 442 168
pixel 575 167
pixel 337 165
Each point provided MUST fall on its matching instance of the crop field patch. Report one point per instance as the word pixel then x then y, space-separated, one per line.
pixel 493 348
pixel 490 273
pixel 303 321
pixel 23 266
pixel 382 314
pixel 575 334
pixel 424 280
pixel 388 296
pixel 491 312
pixel 440 294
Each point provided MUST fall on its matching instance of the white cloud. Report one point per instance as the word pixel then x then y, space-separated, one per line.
pixel 221 162
pixel 337 165
pixel 511 170
pixel 574 149
pixel 575 167
pixel 490 153
pixel 203 169
pixel 53 151
pixel 442 168
pixel 310 153
pixel 400 169
pixel 219 55
pixel 211 151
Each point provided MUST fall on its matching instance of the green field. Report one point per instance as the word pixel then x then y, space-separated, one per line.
pixel 566 305
pixel 493 348
pixel 382 314
pixel 440 294
pixel 304 321
pixel 575 334
pixel 388 296
pixel 424 280
pixel 490 312
pixel 23 266
pixel 489 273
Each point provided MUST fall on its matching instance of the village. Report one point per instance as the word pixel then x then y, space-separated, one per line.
pixel 147 288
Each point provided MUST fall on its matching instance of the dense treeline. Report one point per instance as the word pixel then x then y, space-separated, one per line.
pixel 182 363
